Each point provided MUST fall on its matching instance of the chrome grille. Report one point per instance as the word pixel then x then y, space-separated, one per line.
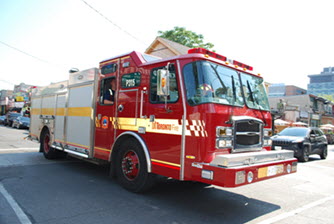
pixel 281 142
pixel 247 126
pixel 247 140
pixel 247 135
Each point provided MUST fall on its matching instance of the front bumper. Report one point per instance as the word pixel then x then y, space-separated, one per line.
pixel 293 147
pixel 233 170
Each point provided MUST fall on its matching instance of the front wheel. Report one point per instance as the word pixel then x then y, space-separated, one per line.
pixel 324 152
pixel 304 155
pixel 131 168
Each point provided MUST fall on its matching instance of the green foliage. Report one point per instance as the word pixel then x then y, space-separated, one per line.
pixel 328 97
pixel 185 37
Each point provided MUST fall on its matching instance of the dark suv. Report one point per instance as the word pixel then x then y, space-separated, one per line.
pixel 303 141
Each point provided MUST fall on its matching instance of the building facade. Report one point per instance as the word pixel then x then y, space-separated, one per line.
pixel 323 83
pixel 15 99
pixel 306 108
pixel 280 89
pixel 164 48
pixel 6 96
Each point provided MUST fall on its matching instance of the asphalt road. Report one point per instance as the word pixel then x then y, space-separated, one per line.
pixel 36 190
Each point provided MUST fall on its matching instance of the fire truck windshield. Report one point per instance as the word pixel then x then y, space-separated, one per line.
pixel 208 82
pixel 254 91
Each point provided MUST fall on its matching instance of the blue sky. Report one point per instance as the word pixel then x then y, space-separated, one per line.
pixel 283 40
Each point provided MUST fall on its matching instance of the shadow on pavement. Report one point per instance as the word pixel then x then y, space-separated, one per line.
pixel 72 191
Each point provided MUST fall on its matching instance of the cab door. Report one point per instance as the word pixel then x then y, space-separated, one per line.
pixel 105 115
pixel 165 114
pixel 128 101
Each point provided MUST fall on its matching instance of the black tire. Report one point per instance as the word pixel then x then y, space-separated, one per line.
pixel 48 151
pixel 304 157
pixel 131 168
pixel 324 152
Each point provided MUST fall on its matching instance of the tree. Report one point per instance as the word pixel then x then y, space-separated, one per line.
pixel 328 97
pixel 185 37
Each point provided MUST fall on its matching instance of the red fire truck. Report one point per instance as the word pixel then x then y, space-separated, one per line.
pixel 195 117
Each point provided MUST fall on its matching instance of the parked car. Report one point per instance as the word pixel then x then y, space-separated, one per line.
pixel 2 119
pixel 10 118
pixel 21 122
pixel 303 141
pixel 330 138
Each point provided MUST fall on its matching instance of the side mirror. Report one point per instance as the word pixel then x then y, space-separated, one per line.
pixel 163 82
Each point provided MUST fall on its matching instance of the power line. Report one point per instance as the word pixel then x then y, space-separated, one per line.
pixel 30 55
pixel 1 80
pixel 23 52
pixel 114 24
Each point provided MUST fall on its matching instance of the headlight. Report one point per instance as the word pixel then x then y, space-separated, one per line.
pixel 224 143
pixel 224 131
pixel 224 137
pixel 267 142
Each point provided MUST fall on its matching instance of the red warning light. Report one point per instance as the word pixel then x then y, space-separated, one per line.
pixel 218 56
pixel 205 51
pixel 250 68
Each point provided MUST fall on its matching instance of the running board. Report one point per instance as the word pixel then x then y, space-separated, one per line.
pixel 76 153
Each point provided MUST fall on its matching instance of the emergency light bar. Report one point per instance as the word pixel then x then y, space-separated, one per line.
pixel 250 68
pixel 220 57
pixel 205 51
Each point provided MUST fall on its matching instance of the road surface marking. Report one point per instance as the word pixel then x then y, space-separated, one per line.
pixel 296 211
pixel 18 211
pixel 18 149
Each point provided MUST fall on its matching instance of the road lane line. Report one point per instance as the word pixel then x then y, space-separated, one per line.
pixel 296 211
pixel 17 149
pixel 17 209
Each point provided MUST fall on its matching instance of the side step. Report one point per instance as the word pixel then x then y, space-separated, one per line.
pixel 71 150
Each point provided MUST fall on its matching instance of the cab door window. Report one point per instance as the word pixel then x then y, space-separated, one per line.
pixel 108 90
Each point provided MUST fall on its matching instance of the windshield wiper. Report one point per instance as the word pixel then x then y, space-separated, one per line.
pixel 250 92
pixel 234 91
pixel 254 100
pixel 217 74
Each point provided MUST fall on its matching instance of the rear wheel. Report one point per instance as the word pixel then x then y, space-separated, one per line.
pixel 131 168
pixel 304 156
pixel 324 152
pixel 48 151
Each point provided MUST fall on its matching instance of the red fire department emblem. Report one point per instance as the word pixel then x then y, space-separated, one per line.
pixel 105 122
